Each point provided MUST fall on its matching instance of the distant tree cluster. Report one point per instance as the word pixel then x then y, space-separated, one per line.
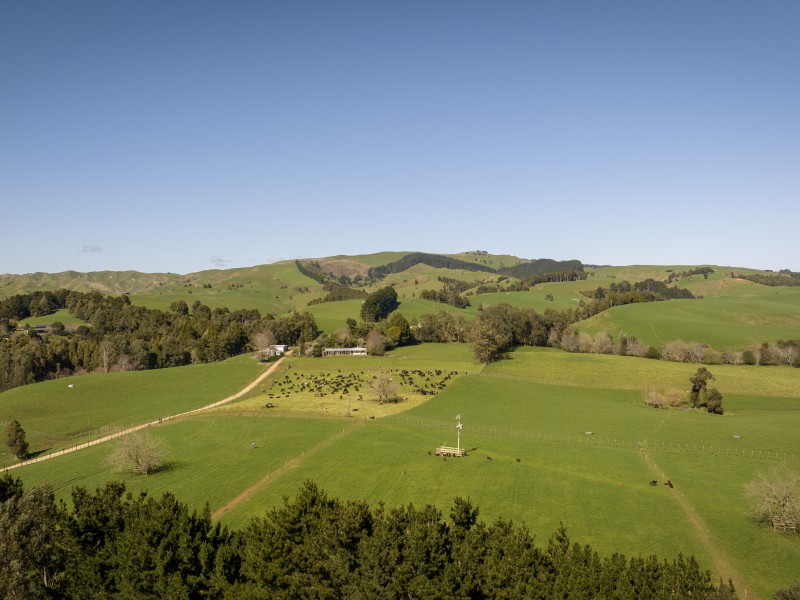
pixel 499 328
pixel 551 270
pixel 36 304
pixel 446 295
pixel 121 336
pixel 109 544
pixel 443 327
pixel 704 271
pixel 377 337
pixel 458 285
pixel 648 290
pixel 437 261
pixel 783 278
pixel 379 304
pixel 312 269
pixel 577 274
pixel 493 288
pixel 338 292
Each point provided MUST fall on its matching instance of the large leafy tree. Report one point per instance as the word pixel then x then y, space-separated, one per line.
pixel 14 437
pixel 379 304
pixel 699 384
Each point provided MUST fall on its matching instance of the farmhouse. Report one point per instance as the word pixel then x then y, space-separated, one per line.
pixel 344 351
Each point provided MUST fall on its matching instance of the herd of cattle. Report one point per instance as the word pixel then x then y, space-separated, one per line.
pixel 322 384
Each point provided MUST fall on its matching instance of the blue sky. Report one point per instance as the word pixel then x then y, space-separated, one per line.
pixel 182 136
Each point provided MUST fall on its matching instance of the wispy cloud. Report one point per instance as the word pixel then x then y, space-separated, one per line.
pixel 219 261
pixel 91 248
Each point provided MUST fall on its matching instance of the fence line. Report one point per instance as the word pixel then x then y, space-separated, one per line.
pixel 595 441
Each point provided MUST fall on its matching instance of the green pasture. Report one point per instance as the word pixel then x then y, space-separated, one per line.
pixel 330 316
pixel 550 365
pixel 275 288
pixel 716 490
pixel 207 458
pixel 55 415
pixel 60 315
pixel 723 322
pixel 565 475
pixel 530 459
pixel 552 483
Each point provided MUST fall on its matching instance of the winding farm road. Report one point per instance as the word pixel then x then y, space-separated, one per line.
pixel 119 434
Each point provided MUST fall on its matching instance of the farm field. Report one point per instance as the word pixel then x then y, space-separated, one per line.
pixel 58 416
pixel 209 458
pixel 733 320
pixel 531 460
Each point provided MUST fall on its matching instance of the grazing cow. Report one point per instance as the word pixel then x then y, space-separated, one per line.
pixel 654 482
pixel 519 460
pixel 668 484
pixel 488 458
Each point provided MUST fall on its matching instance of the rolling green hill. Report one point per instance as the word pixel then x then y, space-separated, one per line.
pixel 732 313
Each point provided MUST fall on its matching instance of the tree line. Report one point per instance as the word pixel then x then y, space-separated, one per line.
pixel 783 278
pixel 649 290
pixel 436 261
pixel 447 294
pixel 121 336
pixel 338 292
pixel 109 543
pixel 704 271
pixel 498 329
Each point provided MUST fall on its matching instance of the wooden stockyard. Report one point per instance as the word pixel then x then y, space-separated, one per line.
pixel 450 451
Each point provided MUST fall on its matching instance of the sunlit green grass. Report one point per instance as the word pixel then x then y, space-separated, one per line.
pixel 55 415
pixel 61 315
pixel 207 458
pixel 530 413
pixel 547 365
pixel 742 315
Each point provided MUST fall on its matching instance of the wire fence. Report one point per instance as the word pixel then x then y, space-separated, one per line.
pixel 589 439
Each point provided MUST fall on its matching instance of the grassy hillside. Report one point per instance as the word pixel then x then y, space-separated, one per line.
pixel 107 282
pixel 739 315
pixel 733 313
pixel 63 412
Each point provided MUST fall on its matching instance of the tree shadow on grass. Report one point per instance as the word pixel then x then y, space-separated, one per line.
pixel 37 453
pixel 169 466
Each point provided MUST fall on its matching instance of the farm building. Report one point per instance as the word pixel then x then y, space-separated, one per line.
pixel 344 351
pixel 278 349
